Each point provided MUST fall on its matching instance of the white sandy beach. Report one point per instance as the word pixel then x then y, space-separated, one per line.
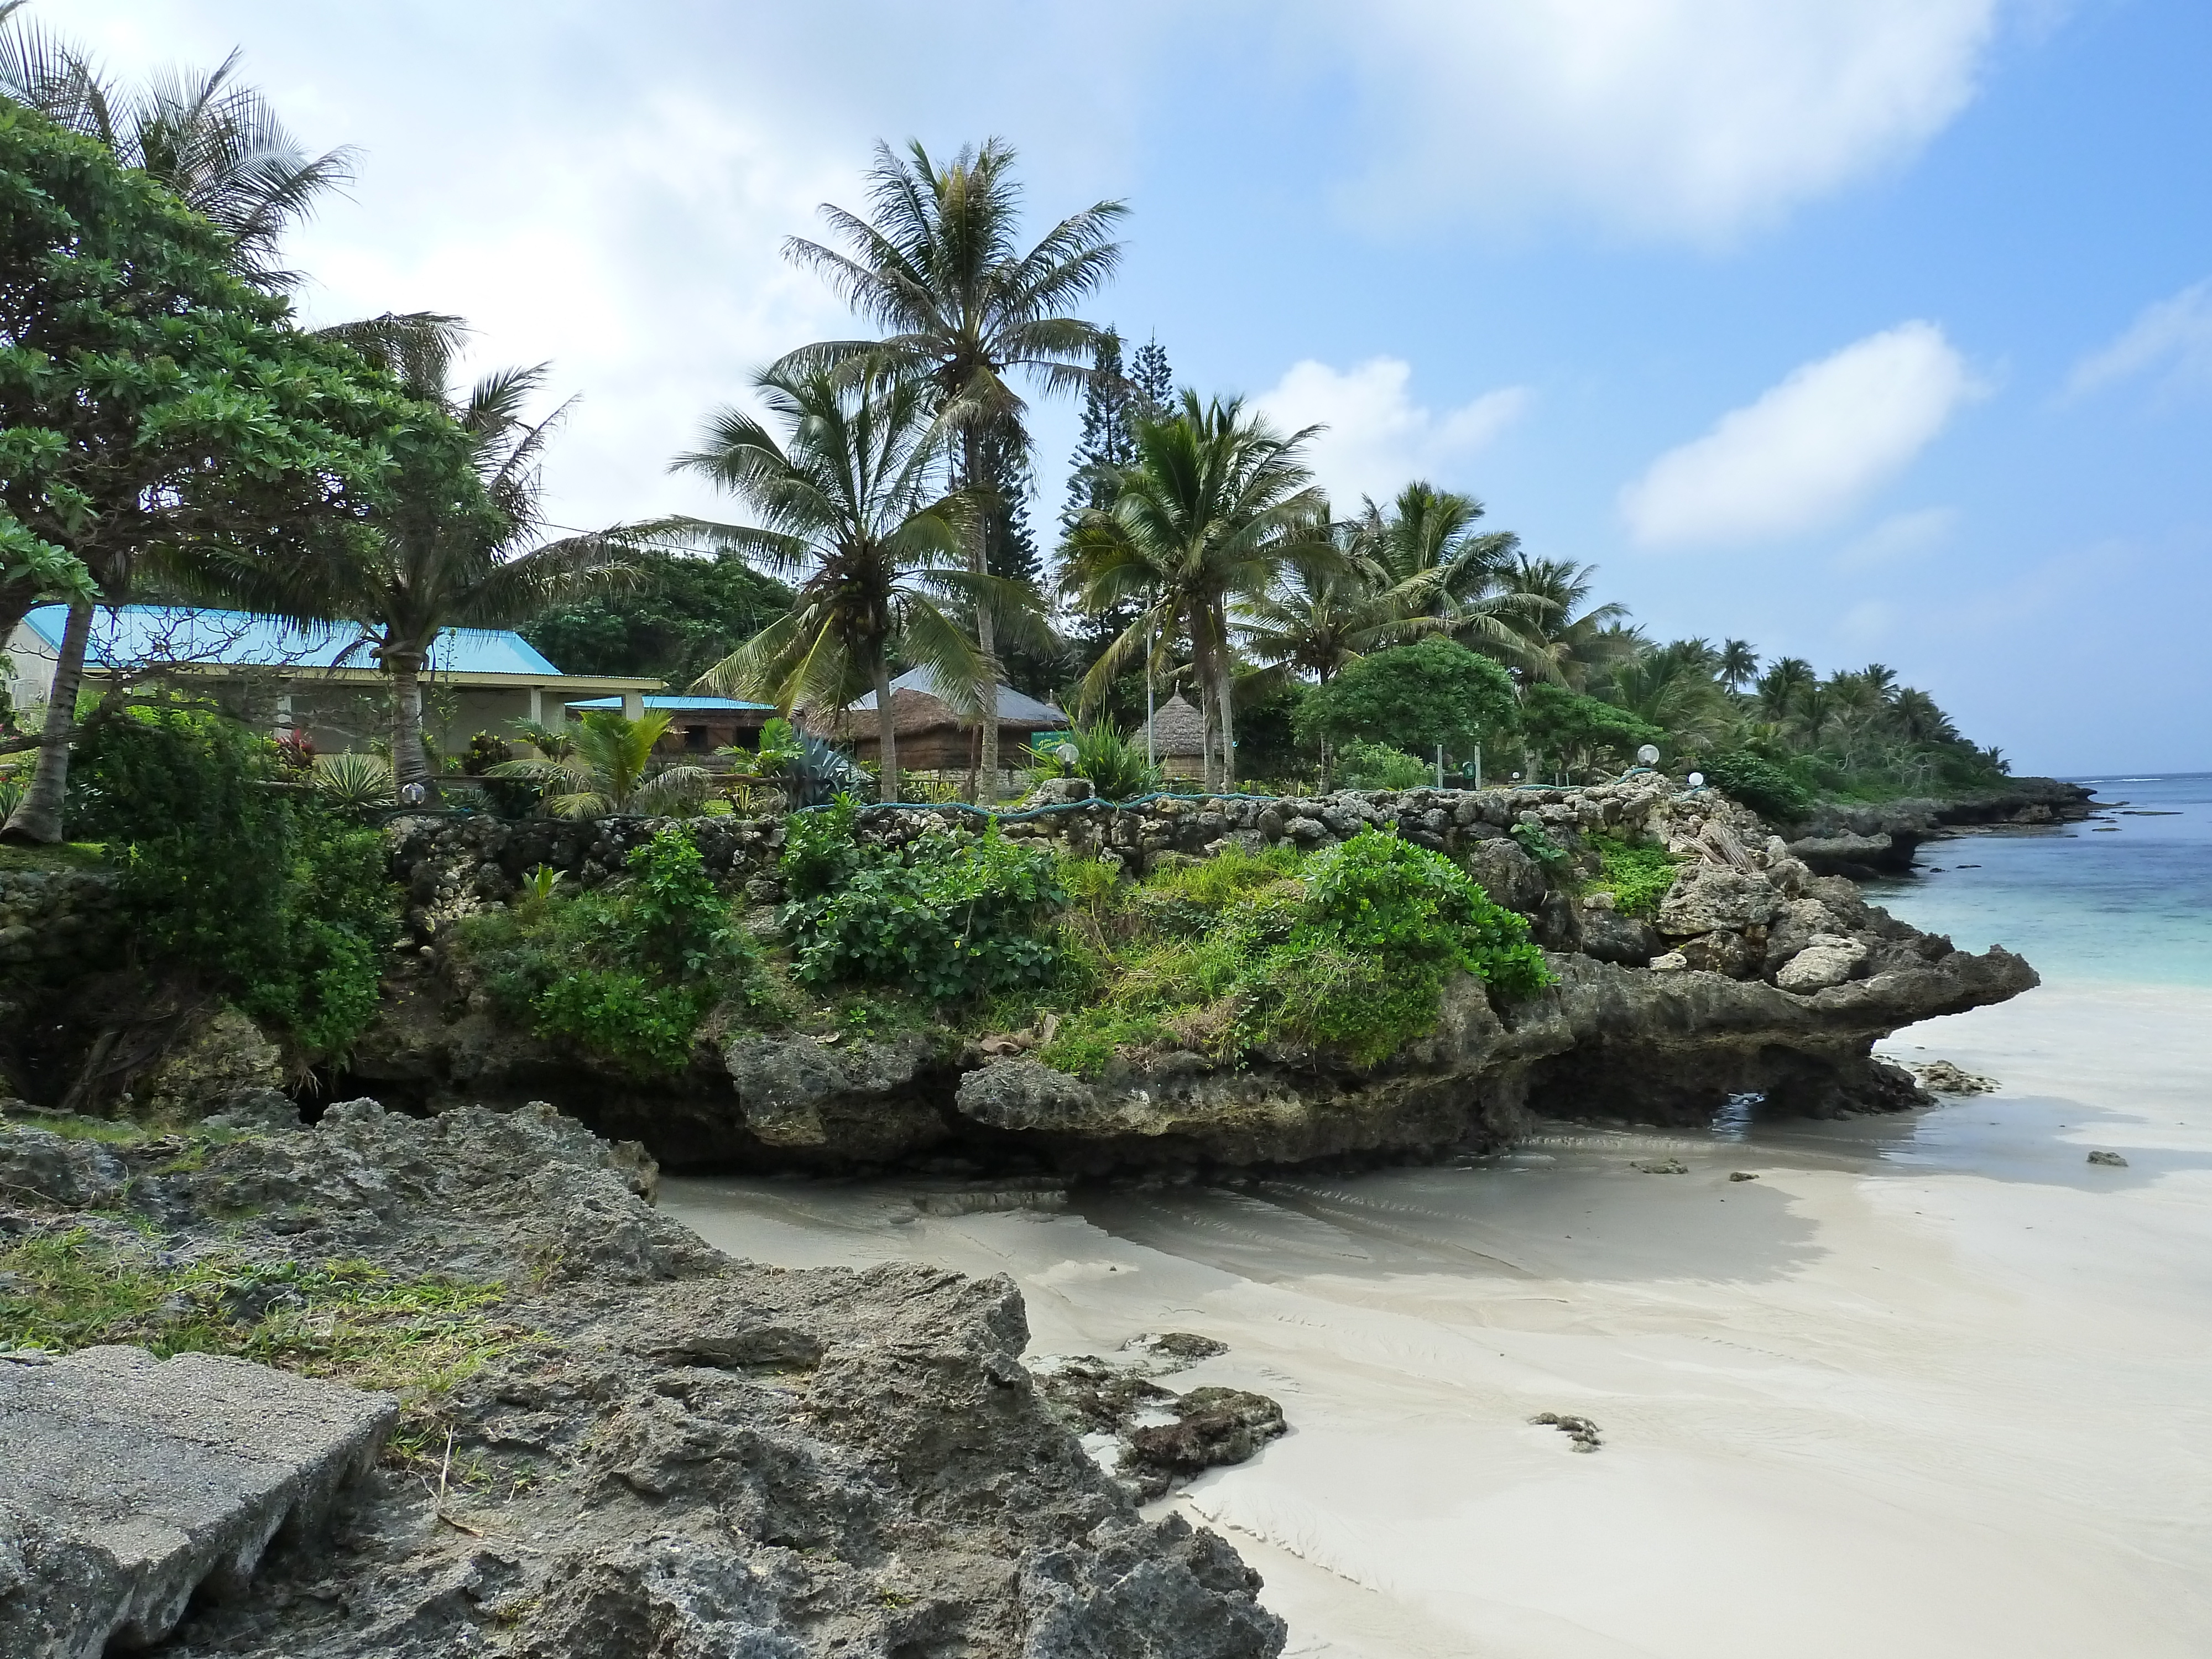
pixel 1930 1387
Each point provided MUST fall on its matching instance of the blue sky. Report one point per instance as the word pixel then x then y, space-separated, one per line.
pixel 1863 329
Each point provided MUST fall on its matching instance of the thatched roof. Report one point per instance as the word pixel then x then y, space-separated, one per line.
pixel 1177 729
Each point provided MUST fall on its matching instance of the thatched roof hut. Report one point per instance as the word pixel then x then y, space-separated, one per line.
pixel 933 737
pixel 1178 739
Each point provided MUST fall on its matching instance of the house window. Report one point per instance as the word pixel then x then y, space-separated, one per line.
pixel 695 737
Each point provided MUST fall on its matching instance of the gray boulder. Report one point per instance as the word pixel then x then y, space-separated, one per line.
pixel 1708 897
pixel 129 1484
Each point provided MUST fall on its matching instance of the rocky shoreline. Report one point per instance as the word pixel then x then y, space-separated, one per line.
pixel 643 1447
pixel 1864 841
pixel 1753 977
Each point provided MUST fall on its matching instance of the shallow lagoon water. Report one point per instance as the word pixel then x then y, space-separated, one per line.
pixel 1928 1385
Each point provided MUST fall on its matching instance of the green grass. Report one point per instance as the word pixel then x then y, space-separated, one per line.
pixel 63 855
pixel 347 1320
pixel 1637 876
pixel 113 1132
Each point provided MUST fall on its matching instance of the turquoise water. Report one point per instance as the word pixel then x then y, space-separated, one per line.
pixel 2126 896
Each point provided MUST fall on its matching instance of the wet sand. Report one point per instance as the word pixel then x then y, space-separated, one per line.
pixel 1927 1386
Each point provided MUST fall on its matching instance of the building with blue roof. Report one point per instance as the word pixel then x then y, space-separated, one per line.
pixel 698 725
pixel 318 679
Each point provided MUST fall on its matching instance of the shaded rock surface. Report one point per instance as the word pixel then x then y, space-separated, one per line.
pixel 678 1454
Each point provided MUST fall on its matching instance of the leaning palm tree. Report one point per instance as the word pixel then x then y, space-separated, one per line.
pixel 849 502
pixel 439 556
pixel 1218 505
pixel 608 769
pixel 937 265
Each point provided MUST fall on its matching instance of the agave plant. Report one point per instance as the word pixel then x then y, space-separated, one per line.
pixel 1114 763
pixel 810 772
pixel 353 783
pixel 611 771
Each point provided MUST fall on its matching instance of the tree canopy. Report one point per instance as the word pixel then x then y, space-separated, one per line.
pixel 1415 697
pixel 152 402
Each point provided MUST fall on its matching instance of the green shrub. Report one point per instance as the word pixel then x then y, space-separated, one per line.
pixel 952 916
pixel 1638 878
pixel 1346 951
pixel 1378 766
pixel 261 890
pixel 1531 839
pixel 1113 762
pixel 1769 790
pixel 628 971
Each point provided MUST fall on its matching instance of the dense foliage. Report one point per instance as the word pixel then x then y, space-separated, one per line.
pixel 1768 789
pixel 1346 952
pixel 952 917
pixel 1113 760
pixel 258 890
pixel 1415 697
pixel 677 616
pixel 1638 876
pixel 1378 766
pixel 627 972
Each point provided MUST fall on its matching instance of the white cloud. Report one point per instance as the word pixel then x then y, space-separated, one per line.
pixel 2175 334
pixel 1377 439
pixel 1673 119
pixel 1902 536
pixel 1809 449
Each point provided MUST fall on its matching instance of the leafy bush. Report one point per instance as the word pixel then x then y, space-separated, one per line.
pixel 1575 728
pixel 952 916
pixel 1769 790
pixel 1637 876
pixel 1113 762
pixel 1378 766
pixel 628 971
pixel 260 890
pixel 1346 951
pixel 1414 697
pixel 1531 839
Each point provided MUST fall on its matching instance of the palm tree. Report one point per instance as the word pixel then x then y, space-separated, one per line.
pixel 609 769
pixel 1436 564
pixel 1673 687
pixel 1786 680
pixel 438 557
pixel 1738 664
pixel 849 502
pixel 936 263
pixel 1559 640
pixel 210 139
pixel 1217 506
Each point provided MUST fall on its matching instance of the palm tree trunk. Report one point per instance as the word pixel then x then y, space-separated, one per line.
pixel 1225 680
pixel 971 447
pixel 37 815
pixel 409 763
pixel 1202 664
pixel 887 782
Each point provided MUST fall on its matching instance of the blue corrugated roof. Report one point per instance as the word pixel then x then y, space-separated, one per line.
pixel 700 705
pixel 239 639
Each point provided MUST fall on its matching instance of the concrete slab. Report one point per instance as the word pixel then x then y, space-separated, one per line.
pixel 128 1484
